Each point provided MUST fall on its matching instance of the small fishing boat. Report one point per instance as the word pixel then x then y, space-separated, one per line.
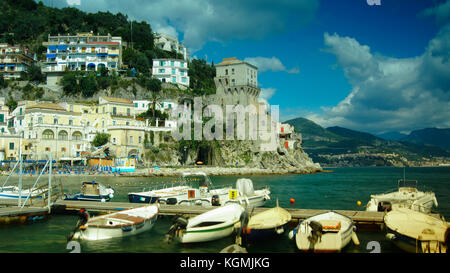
pixel 325 232
pixel 212 225
pixel 265 224
pixel 197 189
pixel 92 191
pixel 118 224
pixel 407 196
pixel 417 232
pixel 13 192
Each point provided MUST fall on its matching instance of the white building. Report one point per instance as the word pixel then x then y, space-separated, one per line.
pixel 141 106
pixel 171 71
pixel 169 43
pixel 82 52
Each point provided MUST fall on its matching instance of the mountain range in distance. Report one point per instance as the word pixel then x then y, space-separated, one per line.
pixel 338 146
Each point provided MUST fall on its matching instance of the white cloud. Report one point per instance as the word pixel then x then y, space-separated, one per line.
pixel 273 64
pixel 73 2
pixel 201 21
pixel 391 93
pixel 266 94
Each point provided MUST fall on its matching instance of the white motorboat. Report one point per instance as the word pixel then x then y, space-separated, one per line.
pixel 197 189
pixel 416 232
pixel 93 191
pixel 13 192
pixel 212 225
pixel 407 196
pixel 325 232
pixel 118 224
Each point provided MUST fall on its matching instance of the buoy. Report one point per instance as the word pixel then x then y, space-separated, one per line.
pixel 292 200
pixel 358 203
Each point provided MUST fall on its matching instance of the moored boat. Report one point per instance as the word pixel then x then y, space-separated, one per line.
pixel 265 224
pixel 417 232
pixel 92 191
pixel 407 196
pixel 197 189
pixel 118 224
pixel 212 225
pixel 13 192
pixel 325 232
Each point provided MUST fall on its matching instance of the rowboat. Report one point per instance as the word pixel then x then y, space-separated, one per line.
pixel 325 232
pixel 119 224
pixel 92 191
pixel 407 196
pixel 212 225
pixel 417 232
pixel 197 189
pixel 265 224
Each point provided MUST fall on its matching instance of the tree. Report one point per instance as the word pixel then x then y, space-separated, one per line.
pixel 154 85
pixel 34 74
pixel 69 83
pixel 100 139
pixel 88 85
pixel 3 83
pixel 12 104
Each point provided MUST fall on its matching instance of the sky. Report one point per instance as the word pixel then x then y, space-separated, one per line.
pixel 353 63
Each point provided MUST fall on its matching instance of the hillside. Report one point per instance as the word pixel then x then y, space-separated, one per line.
pixel 430 136
pixel 337 146
pixel 28 23
pixel 392 136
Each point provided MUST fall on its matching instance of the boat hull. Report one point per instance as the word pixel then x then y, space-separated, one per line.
pixel 253 235
pixel 207 234
pixel 104 233
pixel 328 241
pixel 94 198
pixel 137 198
pixel 119 224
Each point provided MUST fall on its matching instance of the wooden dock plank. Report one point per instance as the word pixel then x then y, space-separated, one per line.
pixel 297 214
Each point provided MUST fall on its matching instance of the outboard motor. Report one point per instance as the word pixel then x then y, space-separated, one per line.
pixel 83 218
pixel 215 200
pixel 384 206
pixel 178 224
pixel 241 238
pixel 316 232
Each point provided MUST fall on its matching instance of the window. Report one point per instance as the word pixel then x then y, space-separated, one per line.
pixel 48 134
pixel 226 71
pixel 131 139
pixel 183 79
pixel 140 139
pixel 40 120
pixel 11 145
pixel 114 111
pixel 161 71
pixel 114 140
pixel 172 63
pixel 128 112
pixel 55 121
pixel 47 149
pixel 232 71
pixel 173 71
pixel 136 105
pixel 70 122
pixel 174 79
pixel 62 135
pixel 76 136
pixel 63 149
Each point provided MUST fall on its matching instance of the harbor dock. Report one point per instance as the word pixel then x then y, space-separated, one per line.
pixel 367 220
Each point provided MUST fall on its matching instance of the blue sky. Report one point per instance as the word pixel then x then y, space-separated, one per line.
pixel 374 68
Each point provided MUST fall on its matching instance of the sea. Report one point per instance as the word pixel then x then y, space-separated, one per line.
pixel 340 189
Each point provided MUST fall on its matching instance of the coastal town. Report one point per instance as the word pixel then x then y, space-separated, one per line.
pixel 67 129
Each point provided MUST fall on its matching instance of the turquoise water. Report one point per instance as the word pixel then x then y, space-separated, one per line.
pixel 338 190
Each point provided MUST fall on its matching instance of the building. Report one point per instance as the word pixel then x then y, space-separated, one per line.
pixel 170 44
pixel 81 52
pixel 4 117
pixel 236 83
pixel 171 71
pixel 141 106
pixel 14 60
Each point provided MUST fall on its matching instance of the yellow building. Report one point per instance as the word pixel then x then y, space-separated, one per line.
pixel 49 127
